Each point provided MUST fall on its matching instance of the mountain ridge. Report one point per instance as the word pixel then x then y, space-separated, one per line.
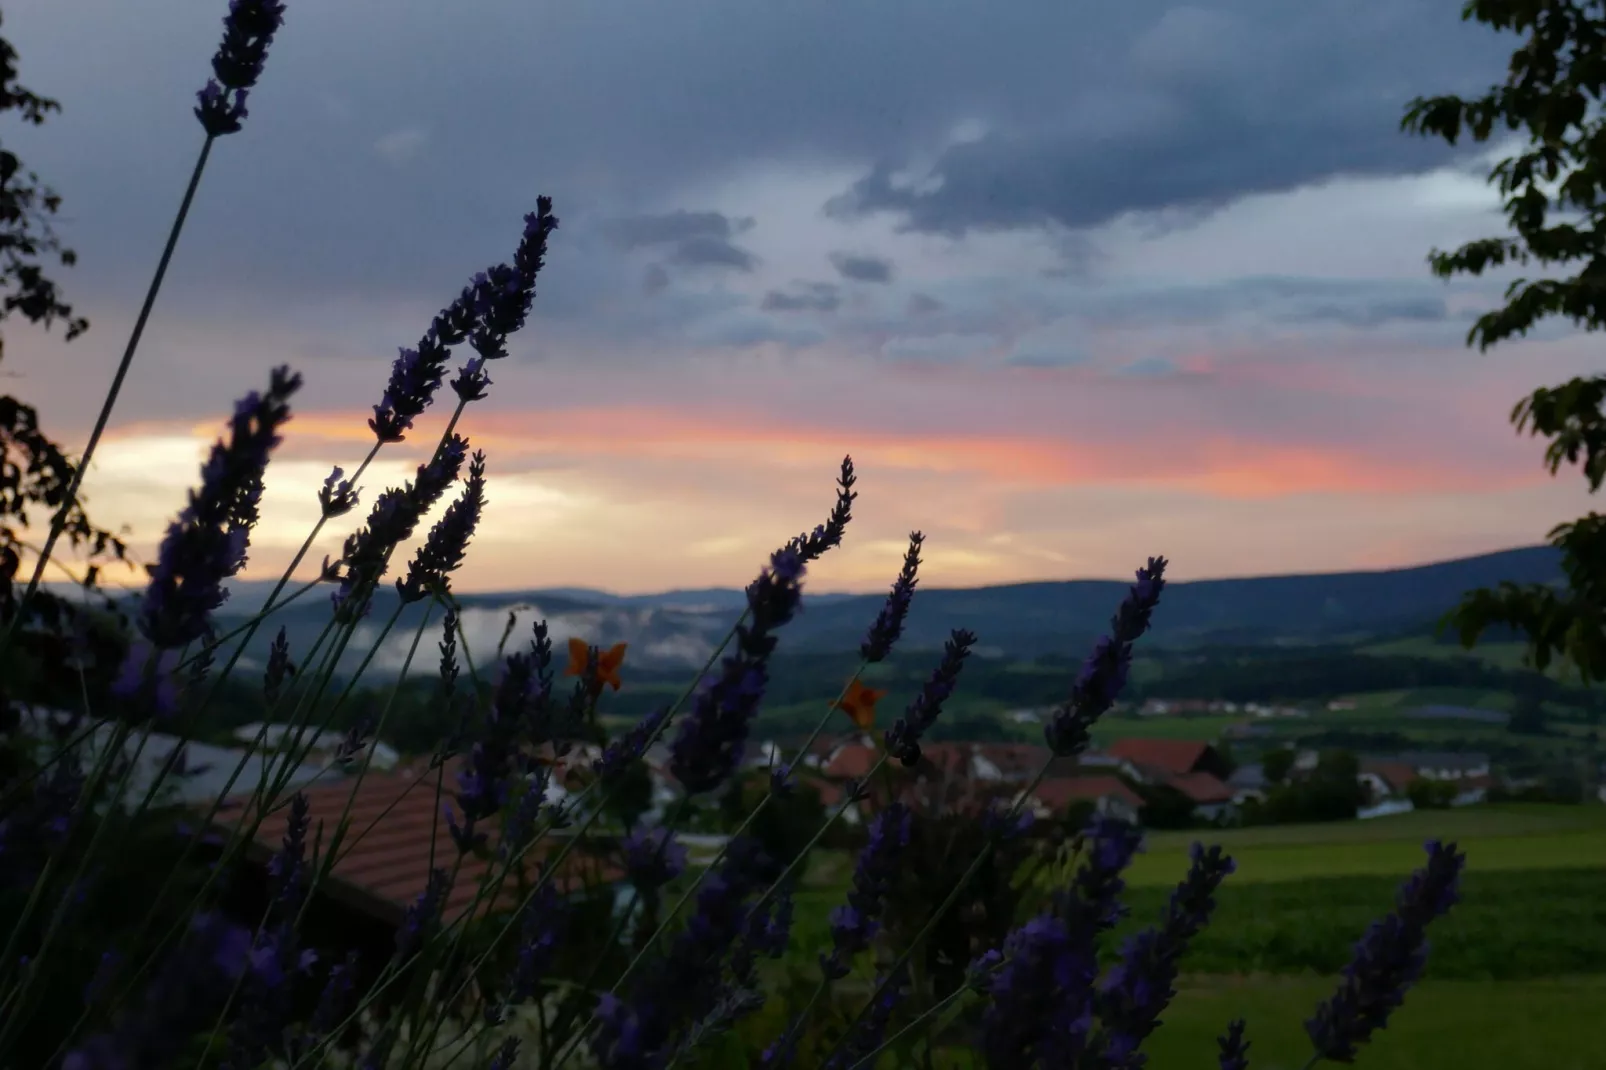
pixel 1022 620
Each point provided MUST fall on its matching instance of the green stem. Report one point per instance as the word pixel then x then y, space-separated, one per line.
pixel 70 499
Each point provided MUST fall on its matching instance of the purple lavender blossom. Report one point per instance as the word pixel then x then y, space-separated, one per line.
pixel 1042 1005
pixel 1093 900
pixel 854 925
pixel 541 923
pixel 205 545
pixel 146 686
pixel 618 756
pixel 1003 824
pixel 713 735
pixel 810 546
pixel 683 986
pixel 442 553
pixel 1139 986
pixel 483 781
pixel 248 30
pixel 279 668
pixel 903 738
pixel 423 915
pixel 472 380
pixel 337 497
pixel 653 857
pixel 416 374
pixel 335 1002
pixel 1104 673
pixel 1234 1048
pixel 276 960
pixel 36 827
pixel 490 308
pixel 1388 959
pixel 502 295
pixel 519 828
pixel 391 521
pixel 888 626
pixel 183 996
pixel 355 740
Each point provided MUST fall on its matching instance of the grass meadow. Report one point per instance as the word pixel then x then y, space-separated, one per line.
pixel 1516 979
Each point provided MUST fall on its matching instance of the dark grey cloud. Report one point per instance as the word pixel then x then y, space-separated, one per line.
pixel 359 184
pixel 713 253
pixel 1367 314
pixel 654 280
pixel 1215 103
pixel 673 228
pixel 923 305
pixel 1357 303
pixel 812 297
pixel 692 239
pixel 862 268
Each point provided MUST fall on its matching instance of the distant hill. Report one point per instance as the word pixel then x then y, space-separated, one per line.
pixel 1019 620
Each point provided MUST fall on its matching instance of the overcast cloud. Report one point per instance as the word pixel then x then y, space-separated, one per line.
pixel 1081 207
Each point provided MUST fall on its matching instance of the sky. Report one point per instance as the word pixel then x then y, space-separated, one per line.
pixel 1073 284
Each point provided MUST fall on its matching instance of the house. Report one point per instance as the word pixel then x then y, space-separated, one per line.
pixel 1386 779
pixel 1110 797
pixel 1460 713
pixel 1212 798
pixel 1156 759
pixel 199 773
pixel 1472 790
pixel 395 831
pixel 1443 765
pixel 319 747
pixel 1248 782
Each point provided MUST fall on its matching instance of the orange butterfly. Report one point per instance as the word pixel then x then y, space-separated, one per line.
pixel 608 662
pixel 859 704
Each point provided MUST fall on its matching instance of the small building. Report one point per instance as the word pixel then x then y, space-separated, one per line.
pixel 1248 782
pixel 1385 779
pixel 1110 797
pixel 1447 765
pixel 1212 798
pixel 1159 758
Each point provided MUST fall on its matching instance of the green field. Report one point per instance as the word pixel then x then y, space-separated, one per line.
pixel 1506 837
pixel 1516 979
pixel 1464 1025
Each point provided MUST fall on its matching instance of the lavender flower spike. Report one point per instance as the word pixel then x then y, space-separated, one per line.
pixel 888 624
pixel 1234 1048
pixel 903 738
pixel 1042 984
pixel 1388 959
pixel 854 925
pixel 443 551
pixel 1104 673
pixel 248 30
pixel 714 734
pixel 1139 987
pixel 811 545
pixel 206 545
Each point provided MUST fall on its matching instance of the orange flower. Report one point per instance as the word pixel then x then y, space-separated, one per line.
pixel 859 704
pixel 608 662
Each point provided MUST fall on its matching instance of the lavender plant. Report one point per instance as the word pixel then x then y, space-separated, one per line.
pixel 481 968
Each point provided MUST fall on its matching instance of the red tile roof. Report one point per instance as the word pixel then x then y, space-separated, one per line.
pixel 1171 755
pixel 854 761
pixel 1015 759
pixel 1060 792
pixel 384 859
pixel 1397 775
pixel 1202 788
